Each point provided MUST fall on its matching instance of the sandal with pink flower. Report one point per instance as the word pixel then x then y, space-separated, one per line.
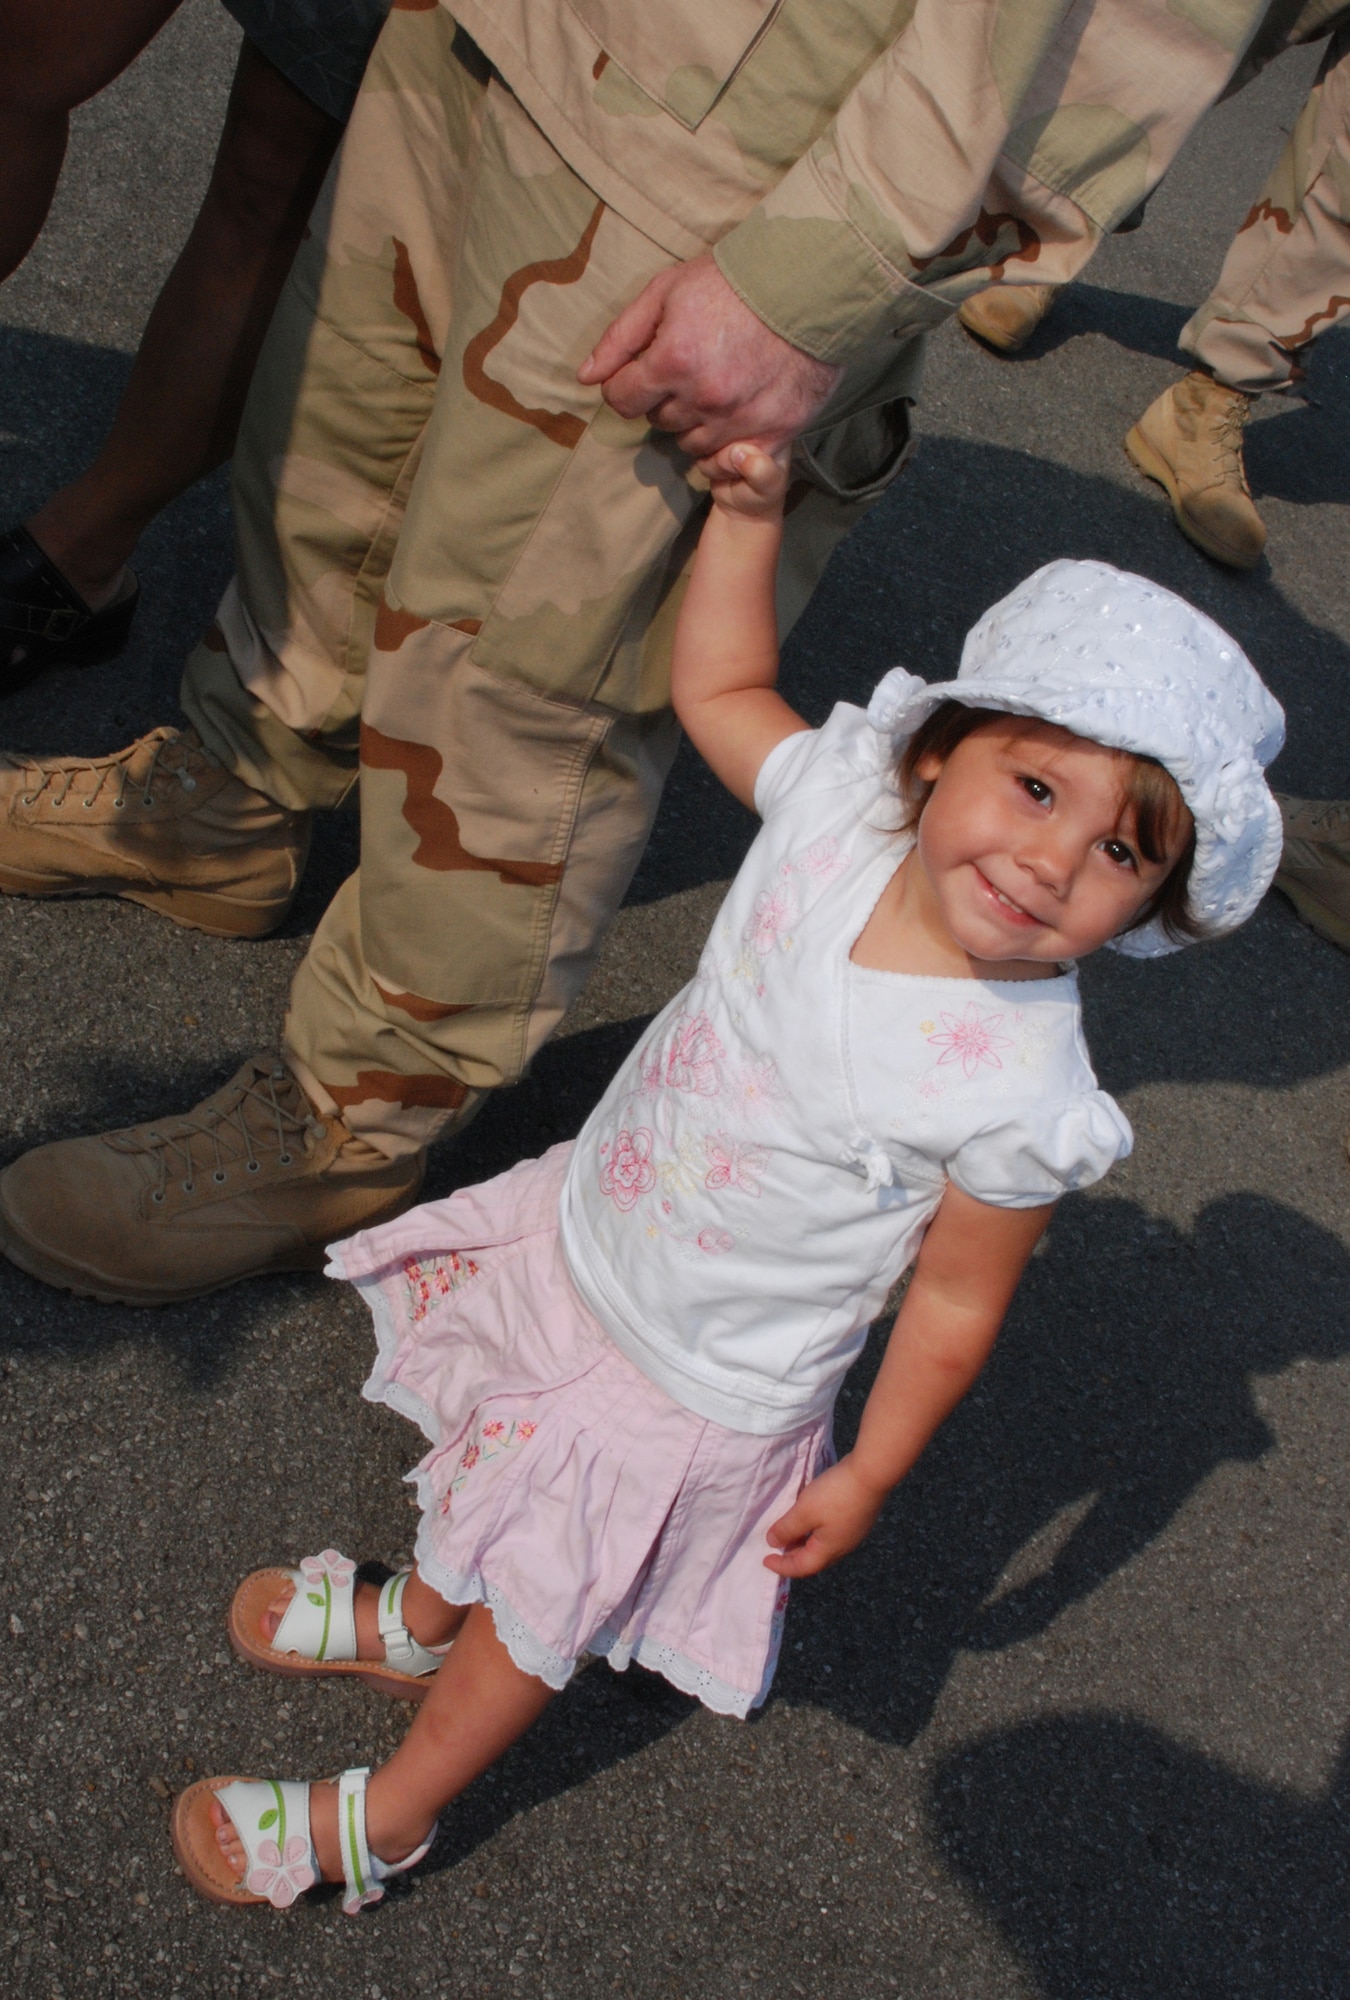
pixel 317 1636
pixel 271 1817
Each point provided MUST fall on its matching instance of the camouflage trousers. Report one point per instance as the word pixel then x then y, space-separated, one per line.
pixel 1286 277
pixel 458 575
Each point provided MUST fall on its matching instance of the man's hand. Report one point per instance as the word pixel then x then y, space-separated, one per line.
pixel 828 1518
pixel 690 356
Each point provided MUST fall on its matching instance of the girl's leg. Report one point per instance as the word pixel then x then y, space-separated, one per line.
pixel 56 54
pixel 480 1703
pixel 180 411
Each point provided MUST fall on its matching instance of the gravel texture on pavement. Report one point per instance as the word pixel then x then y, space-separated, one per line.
pixel 1072 1723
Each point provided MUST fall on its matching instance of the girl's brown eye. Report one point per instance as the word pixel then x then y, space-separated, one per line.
pixel 1035 789
pixel 1120 854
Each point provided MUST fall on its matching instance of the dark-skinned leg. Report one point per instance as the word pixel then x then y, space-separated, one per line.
pixel 56 53
pixel 180 411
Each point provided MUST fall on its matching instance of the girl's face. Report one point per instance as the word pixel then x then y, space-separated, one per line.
pixel 1028 843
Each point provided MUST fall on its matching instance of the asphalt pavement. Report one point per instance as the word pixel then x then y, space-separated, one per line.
pixel 1072 1724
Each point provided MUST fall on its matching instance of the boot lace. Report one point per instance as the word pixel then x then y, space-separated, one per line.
pixel 259 1116
pixel 164 755
pixel 1228 429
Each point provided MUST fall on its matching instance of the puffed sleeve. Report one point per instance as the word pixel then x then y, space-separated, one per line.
pixel 1039 1155
pixel 811 761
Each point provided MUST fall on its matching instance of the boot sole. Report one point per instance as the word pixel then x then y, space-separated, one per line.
pixel 1318 916
pixel 65 1276
pixel 193 909
pixel 1154 466
pixel 86 1284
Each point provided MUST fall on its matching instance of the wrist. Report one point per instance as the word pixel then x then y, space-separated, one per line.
pixel 874 1480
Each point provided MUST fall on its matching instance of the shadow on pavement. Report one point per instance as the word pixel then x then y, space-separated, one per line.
pixel 1121 1381
pixel 1120 1863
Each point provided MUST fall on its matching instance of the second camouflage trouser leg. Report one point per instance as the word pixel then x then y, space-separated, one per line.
pixel 1286 277
pixel 455 558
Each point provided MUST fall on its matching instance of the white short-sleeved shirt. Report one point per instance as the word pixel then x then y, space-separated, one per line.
pixel 763 1167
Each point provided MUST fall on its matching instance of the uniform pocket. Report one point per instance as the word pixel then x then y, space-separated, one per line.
pixel 856 460
pixel 682 57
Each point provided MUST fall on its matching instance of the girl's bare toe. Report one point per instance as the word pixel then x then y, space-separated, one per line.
pixel 275 1612
pixel 227 1838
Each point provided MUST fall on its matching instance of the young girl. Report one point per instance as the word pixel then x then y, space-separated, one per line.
pixel 625 1354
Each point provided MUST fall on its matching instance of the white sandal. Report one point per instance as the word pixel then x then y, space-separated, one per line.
pixel 271 1817
pixel 317 1636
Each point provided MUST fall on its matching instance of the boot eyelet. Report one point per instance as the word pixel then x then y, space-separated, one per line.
pixel 218 1177
pixel 158 1195
pixel 253 1167
pixel 88 804
pixel 57 802
pixel 147 798
pixel 285 1159
pixel 119 805
pixel 189 1187
pixel 27 799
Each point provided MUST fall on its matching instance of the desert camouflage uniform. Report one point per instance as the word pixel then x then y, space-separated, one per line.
pixel 1286 277
pixel 459 565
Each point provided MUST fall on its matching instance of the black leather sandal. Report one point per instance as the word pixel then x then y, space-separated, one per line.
pixel 44 622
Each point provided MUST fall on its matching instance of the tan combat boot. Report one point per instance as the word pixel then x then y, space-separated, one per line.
pixel 251 1181
pixel 161 823
pixel 1006 316
pixel 1190 441
pixel 1314 871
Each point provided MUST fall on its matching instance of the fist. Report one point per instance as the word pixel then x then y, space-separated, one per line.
pixel 691 357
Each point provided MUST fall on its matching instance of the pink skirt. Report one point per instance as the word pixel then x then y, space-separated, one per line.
pixel 589 1511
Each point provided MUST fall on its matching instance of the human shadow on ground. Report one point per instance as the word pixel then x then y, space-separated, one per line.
pixel 1122 1380
pixel 1121 1864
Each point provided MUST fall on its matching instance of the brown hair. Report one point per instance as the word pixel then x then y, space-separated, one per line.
pixel 1150 790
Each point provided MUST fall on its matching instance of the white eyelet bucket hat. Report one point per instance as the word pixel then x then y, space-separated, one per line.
pixel 1120 660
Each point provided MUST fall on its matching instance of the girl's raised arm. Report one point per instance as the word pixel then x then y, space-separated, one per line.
pixel 963 1282
pixel 725 659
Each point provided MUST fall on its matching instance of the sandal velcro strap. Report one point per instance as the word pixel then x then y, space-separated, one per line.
pixel 401 1650
pixel 363 1872
pixel 271 1817
pixel 320 1620
pixel 44 622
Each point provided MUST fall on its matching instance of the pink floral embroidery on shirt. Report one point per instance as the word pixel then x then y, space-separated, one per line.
pixel 732 1164
pixel 757 1085
pixel 822 860
pixel 715 1242
pixel 970 1040
pixel 775 912
pixel 694 1055
pixel 628 1173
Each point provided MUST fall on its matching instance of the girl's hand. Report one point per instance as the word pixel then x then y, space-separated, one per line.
pixel 830 1517
pixel 748 481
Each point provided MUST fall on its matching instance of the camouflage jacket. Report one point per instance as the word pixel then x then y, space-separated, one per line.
pixel 841 154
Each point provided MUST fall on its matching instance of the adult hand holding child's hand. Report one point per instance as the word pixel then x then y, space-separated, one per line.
pixel 691 356
pixel 829 1517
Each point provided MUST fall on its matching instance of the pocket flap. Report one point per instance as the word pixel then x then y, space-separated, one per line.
pixel 682 57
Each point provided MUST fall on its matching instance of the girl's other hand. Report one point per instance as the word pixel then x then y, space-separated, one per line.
pixel 748 481
pixel 829 1517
